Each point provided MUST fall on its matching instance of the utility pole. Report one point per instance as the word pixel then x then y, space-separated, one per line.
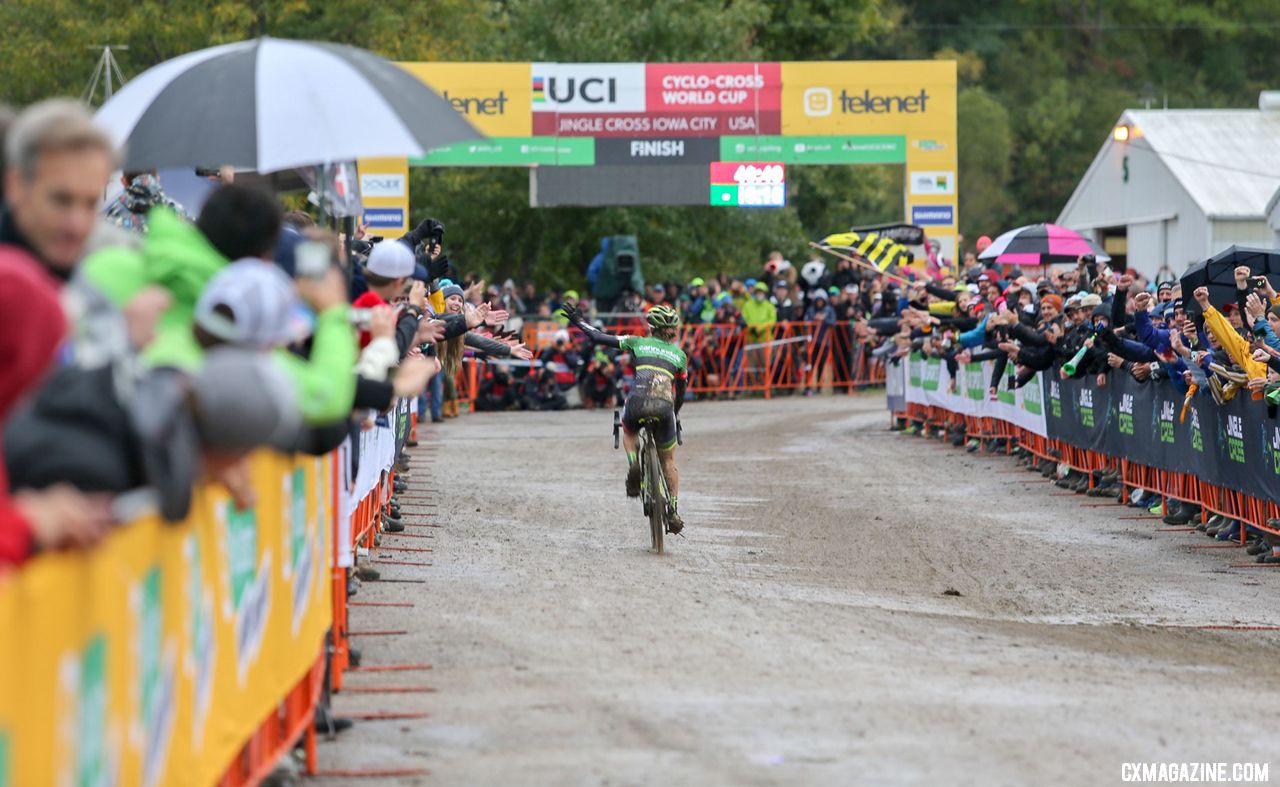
pixel 107 72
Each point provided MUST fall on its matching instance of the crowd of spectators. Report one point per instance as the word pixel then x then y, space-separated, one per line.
pixel 728 320
pixel 146 352
pixel 1090 321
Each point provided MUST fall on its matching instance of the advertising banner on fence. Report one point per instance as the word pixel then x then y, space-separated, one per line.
pixel 929 384
pixel 1234 445
pixel 151 659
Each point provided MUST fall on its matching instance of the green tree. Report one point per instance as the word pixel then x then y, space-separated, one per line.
pixel 986 162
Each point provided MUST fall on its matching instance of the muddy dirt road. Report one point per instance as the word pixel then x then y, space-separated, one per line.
pixel 800 634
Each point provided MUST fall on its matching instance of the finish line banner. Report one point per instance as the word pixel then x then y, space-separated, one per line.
pixel 152 659
pixel 926 386
pixel 1235 445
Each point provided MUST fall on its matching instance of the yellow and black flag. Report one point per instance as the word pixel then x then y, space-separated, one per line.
pixel 880 250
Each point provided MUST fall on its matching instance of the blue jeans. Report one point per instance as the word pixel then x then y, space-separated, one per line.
pixel 436 390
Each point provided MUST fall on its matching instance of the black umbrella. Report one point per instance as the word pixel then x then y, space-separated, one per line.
pixel 269 104
pixel 1218 273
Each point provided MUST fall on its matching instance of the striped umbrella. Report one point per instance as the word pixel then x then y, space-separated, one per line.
pixel 270 104
pixel 1040 244
pixel 880 250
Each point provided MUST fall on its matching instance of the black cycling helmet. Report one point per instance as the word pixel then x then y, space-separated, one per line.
pixel 663 317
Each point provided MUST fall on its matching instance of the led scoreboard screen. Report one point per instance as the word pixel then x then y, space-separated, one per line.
pixel 742 184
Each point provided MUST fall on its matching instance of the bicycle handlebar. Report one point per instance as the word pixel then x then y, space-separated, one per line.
pixel 679 433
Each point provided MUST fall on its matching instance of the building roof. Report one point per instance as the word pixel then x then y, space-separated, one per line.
pixel 1228 160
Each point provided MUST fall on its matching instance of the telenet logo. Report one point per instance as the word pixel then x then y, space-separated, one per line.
pixel 820 102
pixel 478 105
pixel 817 101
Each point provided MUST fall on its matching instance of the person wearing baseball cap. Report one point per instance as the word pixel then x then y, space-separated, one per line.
pixel 787 309
pixel 254 306
pixel 699 308
pixel 390 267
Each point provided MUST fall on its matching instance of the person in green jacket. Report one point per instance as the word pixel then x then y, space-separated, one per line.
pixel 760 315
pixel 179 260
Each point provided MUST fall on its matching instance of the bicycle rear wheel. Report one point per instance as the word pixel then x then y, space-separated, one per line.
pixel 657 495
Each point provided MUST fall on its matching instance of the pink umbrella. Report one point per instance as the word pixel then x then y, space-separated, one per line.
pixel 1040 244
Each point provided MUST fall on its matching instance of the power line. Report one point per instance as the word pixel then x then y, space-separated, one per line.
pixel 1270 24
pixel 1215 164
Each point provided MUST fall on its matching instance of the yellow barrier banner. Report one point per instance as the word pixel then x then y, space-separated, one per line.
pixel 153 658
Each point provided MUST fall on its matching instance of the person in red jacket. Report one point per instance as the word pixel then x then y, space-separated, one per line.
pixel 31 327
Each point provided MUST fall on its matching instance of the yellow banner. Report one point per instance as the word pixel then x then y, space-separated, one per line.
pixel 495 97
pixel 912 98
pixel 384 193
pixel 153 658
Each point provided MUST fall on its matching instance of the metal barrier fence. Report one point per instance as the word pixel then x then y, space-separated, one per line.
pixel 734 359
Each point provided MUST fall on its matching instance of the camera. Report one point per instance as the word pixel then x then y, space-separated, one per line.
pixel 1259 282
pixel 435 234
pixel 311 260
pixel 360 318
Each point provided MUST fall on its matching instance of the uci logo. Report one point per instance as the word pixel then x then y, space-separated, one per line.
pixel 563 90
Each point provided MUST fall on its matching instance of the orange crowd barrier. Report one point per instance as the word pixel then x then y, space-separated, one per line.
pixel 730 359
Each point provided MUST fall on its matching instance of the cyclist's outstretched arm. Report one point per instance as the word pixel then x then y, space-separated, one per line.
pixel 596 335
pixel 682 384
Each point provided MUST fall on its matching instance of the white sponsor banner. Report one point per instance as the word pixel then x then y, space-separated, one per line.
pixel 895 385
pixel 928 383
pixel 933 182
pixel 377 454
pixel 382 184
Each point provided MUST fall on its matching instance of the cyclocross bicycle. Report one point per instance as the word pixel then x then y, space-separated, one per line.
pixel 653 482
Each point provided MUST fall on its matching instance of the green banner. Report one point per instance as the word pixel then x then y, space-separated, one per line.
pixel 884 149
pixel 512 151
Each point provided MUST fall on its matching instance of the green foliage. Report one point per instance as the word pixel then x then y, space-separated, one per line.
pixel 986 162
pixel 1041 83
pixel 1057 75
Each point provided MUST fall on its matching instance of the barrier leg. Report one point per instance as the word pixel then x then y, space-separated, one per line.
pixel 309 746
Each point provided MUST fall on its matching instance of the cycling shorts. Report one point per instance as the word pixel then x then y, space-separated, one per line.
pixel 657 415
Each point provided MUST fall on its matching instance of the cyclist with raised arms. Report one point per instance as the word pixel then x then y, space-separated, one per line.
pixel 655 398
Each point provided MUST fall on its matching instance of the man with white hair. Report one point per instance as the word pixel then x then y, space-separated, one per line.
pixel 57 164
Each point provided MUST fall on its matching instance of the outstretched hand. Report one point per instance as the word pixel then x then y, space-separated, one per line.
pixel 571 313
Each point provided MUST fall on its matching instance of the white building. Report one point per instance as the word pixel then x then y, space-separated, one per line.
pixel 1172 187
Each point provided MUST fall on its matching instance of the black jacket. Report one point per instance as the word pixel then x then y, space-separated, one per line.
pixel 10 234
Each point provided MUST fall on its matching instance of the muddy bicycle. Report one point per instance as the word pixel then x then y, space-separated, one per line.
pixel 653 482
